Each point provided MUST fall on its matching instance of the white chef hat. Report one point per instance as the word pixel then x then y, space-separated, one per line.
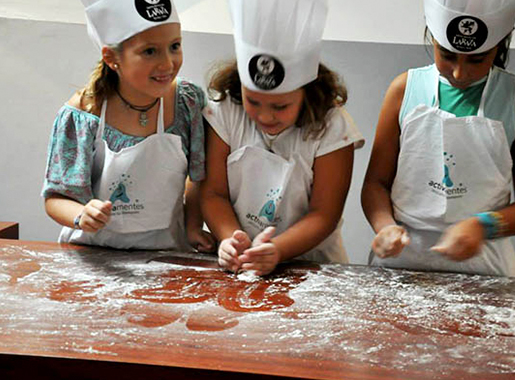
pixel 469 26
pixel 278 42
pixel 111 22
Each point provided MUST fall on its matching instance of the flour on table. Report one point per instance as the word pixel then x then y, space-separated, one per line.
pixel 248 276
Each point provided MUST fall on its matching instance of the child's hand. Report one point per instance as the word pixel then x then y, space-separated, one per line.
pixel 95 215
pixel 461 241
pixel 390 241
pixel 231 248
pixel 263 257
pixel 201 240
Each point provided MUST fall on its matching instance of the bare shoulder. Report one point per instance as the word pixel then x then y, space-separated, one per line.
pixel 83 103
pixel 398 87
pixel 75 100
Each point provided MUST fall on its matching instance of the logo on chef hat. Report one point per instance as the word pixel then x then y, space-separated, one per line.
pixel 266 72
pixel 466 33
pixel 154 10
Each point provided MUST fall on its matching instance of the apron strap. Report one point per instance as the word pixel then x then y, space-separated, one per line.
pixel 101 125
pixel 486 90
pixel 160 118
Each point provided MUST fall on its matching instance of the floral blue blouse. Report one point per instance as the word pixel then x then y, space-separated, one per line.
pixel 70 151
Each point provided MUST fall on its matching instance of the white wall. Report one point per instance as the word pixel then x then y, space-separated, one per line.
pixel 392 21
pixel 42 63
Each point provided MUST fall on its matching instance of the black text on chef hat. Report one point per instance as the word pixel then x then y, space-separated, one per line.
pixel 266 72
pixel 154 10
pixel 467 33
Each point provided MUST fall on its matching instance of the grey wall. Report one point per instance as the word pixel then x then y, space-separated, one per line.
pixel 43 63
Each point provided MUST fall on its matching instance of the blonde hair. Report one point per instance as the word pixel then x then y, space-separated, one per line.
pixel 320 95
pixel 103 82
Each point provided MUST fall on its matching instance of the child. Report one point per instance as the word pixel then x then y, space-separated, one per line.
pixel 281 146
pixel 115 175
pixel 437 190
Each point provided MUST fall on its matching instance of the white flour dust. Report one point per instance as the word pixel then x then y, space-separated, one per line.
pixel 434 323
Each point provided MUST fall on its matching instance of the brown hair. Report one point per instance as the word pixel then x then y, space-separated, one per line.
pixel 321 95
pixel 103 82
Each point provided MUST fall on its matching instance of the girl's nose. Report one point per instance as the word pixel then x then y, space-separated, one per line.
pixel 459 71
pixel 167 62
pixel 265 117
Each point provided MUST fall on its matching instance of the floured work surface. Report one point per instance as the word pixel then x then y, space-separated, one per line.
pixel 181 310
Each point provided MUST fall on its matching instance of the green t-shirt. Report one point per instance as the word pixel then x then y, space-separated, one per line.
pixel 461 102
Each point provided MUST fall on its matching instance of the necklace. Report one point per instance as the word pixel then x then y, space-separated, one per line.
pixel 143 118
pixel 269 140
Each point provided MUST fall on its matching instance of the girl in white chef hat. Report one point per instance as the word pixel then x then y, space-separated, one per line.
pixel 437 190
pixel 280 147
pixel 122 148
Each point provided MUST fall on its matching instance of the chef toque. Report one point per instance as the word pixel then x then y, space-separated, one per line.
pixel 469 26
pixel 278 42
pixel 111 22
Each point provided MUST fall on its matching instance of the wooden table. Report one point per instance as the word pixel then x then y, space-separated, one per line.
pixel 9 230
pixel 83 313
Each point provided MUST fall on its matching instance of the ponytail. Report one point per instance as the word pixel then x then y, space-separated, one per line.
pixel 103 82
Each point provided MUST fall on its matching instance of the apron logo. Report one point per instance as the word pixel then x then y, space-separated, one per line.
pixel 119 195
pixel 266 216
pixel 446 187
pixel 467 33
pixel 266 72
pixel 448 160
pixel 268 209
pixel 154 10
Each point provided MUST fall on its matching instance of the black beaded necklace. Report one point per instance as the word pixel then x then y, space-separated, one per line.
pixel 143 118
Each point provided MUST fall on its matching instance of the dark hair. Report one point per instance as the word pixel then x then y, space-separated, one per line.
pixel 320 95
pixel 103 82
pixel 503 49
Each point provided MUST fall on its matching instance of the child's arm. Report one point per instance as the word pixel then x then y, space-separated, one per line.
pixel 202 240
pixel 464 240
pixel 216 206
pixel 375 195
pixel 331 182
pixel 91 217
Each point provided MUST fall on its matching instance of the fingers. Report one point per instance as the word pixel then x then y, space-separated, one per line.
pixel 390 241
pixel 238 252
pixel 461 241
pixel 457 250
pixel 262 259
pixel 228 255
pixel 96 215
pixel 201 240
pixel 264 237
pixel 241 241
pixel 206 242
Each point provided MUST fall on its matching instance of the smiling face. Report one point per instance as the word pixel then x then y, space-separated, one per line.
pixel 273 113
pixel 462 70
pixel 148 63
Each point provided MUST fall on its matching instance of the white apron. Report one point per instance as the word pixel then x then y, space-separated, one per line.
pixel 448 169
pixel 145 183
pixel 268 190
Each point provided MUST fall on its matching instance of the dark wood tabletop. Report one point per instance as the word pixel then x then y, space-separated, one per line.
pixel 93 313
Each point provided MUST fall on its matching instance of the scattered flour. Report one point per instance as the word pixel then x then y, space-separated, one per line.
pixel 431 323
pixel 248 276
